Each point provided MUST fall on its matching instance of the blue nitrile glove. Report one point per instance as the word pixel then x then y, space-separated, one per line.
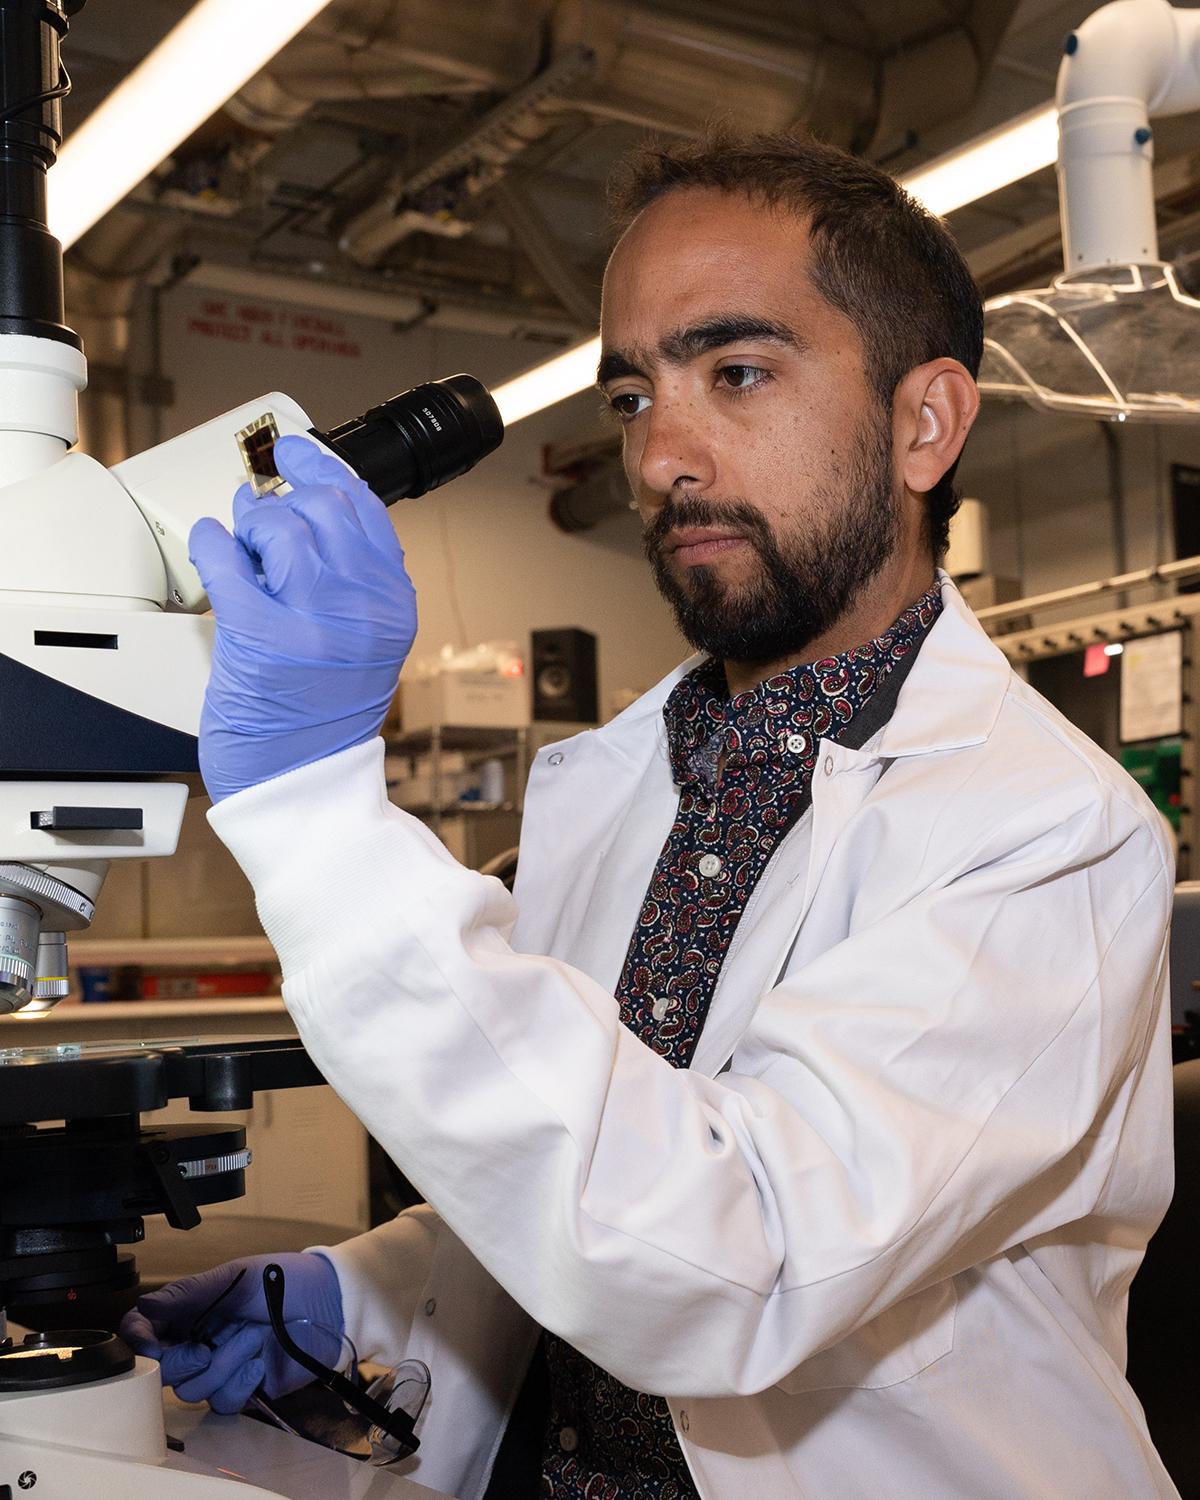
pixel 245 1353
pixel 315 616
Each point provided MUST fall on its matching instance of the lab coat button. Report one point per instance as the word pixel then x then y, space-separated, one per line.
pixel 829 765
pixel 797 743
pixel 557 758
pixel 684 1423
pixel 660 1007
pixel 710 865
pixel 431 1307
pixel 568 1440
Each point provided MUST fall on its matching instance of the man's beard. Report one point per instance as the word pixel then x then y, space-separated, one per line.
pixel 805 582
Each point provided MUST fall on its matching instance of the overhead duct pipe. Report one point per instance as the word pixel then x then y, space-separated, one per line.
pixel 377 49
pixel 1114 335
pixel 426 199
pixel 1128 62
pixel 653 67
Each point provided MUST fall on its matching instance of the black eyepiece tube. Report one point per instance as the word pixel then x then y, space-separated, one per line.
pixel 420 439
pixel 32 85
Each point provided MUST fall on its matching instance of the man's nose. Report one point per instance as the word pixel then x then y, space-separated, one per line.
pixel 677 451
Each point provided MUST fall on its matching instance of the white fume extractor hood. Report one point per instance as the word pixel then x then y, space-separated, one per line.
pixel 1115 335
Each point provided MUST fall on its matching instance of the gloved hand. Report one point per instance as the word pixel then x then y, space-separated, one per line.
pixel 245 1353
pixel 315 616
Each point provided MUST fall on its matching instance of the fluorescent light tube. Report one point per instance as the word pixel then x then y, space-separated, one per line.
pixel 564 375
pixel 988 162
pixel 217 47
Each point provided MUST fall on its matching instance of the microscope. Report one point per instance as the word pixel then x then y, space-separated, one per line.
pixel 104 657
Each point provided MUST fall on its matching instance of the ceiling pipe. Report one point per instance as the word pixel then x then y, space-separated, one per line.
pixel 541 245
pixel 1115 336
pixel 627 61
pixel 1127 62
pixel 423 199
pixel 376 49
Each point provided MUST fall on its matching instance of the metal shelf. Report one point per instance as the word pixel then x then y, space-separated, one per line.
pixel 441 738
pixel 177 952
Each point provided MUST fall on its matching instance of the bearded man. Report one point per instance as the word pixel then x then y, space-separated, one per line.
pixel 797 1129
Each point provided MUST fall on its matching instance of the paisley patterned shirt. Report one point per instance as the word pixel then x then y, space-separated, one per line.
pixel 744 769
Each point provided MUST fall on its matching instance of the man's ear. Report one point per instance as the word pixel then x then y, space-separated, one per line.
pixel 932 411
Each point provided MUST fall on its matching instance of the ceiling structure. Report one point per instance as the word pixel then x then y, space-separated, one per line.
pixel 451 154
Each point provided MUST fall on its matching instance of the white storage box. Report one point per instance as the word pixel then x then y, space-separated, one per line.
pixel 471 699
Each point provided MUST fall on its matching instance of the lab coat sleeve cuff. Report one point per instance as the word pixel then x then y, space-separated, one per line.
pixel 382 1276
pixel 320 829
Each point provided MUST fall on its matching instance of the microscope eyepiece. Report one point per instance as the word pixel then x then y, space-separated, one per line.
pixel 420 439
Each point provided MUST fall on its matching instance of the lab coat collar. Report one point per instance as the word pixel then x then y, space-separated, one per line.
pixel 951 698
pixel 956 688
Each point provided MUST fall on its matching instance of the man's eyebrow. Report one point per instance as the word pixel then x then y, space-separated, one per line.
pixel 615 363
pixel 684 344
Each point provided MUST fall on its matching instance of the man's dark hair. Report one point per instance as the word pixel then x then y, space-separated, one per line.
pixel 877 255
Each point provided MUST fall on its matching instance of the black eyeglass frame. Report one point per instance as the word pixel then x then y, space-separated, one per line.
pixel 397 1425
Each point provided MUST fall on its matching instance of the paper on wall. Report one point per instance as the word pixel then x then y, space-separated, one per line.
pixel 1152 687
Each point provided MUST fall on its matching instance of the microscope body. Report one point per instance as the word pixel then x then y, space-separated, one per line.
pixel 103 653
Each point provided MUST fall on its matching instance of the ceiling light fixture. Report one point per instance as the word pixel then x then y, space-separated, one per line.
pixel 217 47
pixel 982 166
pixel 554 380
pixel 987 163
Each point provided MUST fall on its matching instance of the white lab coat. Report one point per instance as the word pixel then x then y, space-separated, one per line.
pixel 876 1241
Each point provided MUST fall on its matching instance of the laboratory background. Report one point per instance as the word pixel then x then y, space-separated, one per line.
pixel 341 201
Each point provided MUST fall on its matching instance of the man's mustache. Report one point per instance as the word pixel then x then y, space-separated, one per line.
pixel 691 510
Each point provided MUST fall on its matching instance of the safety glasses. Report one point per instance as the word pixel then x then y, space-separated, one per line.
pixel 386 1408
pixel 391 1403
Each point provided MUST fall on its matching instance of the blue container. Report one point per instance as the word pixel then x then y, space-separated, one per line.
pixel 95 983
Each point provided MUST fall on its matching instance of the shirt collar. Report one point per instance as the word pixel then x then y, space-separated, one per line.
pixel 820 699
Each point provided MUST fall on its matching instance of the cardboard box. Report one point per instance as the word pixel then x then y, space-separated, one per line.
pixel 471 699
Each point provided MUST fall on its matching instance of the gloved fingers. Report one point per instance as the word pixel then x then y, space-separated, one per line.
pixel 221 1336
pixel 300 461
pixel 285 547
pixel 180 1363
pixel 334 522
pixel 225 1362
pixel 238 1389
pixel 224 566
pixel 138 1332
pixel 170 1311
pixel 297 456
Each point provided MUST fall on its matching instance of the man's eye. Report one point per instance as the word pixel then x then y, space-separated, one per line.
pixel 742 377
pixel 629 404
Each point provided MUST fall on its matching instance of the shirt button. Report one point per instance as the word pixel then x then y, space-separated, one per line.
pixel 797 743
pixel 568 1440
pixel 660 1007
pixel 556 759
pixel 829 765
pixel 710 865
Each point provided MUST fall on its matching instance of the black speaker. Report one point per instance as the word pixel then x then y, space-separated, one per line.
pixel 564 676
